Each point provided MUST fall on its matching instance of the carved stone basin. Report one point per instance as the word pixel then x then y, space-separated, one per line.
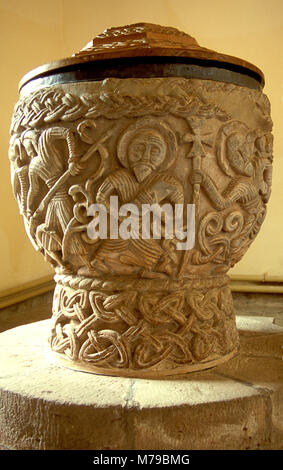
pixel 142 118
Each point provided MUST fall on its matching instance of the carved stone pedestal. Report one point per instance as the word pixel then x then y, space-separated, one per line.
pixel 188 138
pixel 237 405
pixel 142 328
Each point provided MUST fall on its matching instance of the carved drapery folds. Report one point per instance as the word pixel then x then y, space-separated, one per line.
pixel 145 141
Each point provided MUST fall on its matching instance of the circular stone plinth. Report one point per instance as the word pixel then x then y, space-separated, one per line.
pixel 233 406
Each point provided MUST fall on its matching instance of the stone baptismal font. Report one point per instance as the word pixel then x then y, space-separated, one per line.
pixel 142 169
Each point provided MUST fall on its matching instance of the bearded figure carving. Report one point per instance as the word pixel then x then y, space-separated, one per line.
pixel 146 149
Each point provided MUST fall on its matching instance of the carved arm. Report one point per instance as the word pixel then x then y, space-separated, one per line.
pixel 235 191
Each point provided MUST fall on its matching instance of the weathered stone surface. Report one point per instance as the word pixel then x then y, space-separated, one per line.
pixel 261 364
pixel 44 406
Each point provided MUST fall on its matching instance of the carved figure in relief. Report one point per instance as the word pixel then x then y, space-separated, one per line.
pixel 46 167
pixel 263 165
pixel 20 158
pixel 84 195
pixel 245 156
pixel 145 147
pixel 22 149
pixel 42 166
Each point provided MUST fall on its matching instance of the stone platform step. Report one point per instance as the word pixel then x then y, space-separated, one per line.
pixel 238 405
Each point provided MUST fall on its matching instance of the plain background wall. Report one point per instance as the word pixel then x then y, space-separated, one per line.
pixel 34 32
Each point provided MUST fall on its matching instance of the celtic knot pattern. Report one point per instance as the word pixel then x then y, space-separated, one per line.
pixel 47 106
pixel 142 330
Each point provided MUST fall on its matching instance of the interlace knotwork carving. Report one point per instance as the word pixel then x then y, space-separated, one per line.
pixel 140 330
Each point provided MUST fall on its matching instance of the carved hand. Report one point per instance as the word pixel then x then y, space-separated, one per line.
pixel 160 191
pixel 196 177
pixel 75 168
pixel 29 214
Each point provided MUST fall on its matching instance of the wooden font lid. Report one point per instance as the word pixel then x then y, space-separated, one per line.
pixel 143 40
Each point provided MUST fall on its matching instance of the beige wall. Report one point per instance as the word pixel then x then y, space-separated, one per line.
pixel 34 32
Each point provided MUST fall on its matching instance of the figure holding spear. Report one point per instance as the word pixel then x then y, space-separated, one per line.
pixel 48 167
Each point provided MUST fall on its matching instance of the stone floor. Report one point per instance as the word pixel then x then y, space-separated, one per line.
pixel 268 305
pixel 237 405
pixel 31 310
